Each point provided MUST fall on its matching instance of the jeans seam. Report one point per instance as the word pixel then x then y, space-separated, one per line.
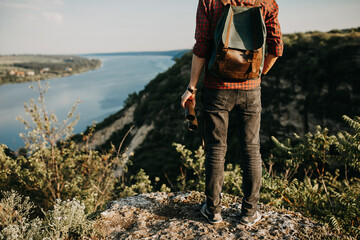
pixel 223 106
pixel 226 99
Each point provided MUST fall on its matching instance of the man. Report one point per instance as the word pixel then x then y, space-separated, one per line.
pixel 219 98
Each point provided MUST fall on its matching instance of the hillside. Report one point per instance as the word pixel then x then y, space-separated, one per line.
pixel 57 186
pixel 315 82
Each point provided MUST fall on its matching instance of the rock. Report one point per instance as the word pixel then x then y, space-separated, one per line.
pixel 177 216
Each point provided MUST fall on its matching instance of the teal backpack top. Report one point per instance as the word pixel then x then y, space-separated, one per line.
pixel 239 44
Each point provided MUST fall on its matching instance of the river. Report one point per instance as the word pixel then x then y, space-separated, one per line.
pixel 102 92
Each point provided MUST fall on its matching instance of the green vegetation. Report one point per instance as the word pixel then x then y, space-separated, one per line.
pixel 308 86
pixel 314 172
pixel 319 75
pixel 66 217
pixel 25 68
pixel 66 182
pixel 314 83
pixel 296 176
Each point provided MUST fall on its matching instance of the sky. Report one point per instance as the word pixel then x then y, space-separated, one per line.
pixel 101 26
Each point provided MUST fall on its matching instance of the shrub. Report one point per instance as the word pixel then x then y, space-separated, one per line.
pixel 323 195
pixel 55 167
pixel 66 179
pixel 15 218
pixel 67 220
pixel 315 191
pixel 193 162
pixel 349 144
pixel 139 183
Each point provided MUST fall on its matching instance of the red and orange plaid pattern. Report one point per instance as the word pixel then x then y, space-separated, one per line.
pixel 208 14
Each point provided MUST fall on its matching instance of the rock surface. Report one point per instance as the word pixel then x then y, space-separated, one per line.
pixel 177 216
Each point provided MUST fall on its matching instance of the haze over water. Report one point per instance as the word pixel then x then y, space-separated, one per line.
pixel 102 92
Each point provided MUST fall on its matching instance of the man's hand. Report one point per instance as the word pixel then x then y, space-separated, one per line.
pixel 270 60
pixel 196 67
pixel 187 95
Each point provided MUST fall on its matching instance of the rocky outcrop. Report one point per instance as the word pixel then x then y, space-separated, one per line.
pixel 177 216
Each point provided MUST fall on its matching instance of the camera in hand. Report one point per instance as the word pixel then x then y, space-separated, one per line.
pixel 190 115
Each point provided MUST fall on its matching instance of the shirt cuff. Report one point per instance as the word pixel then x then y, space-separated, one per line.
pixel 276 49
pixel 200 50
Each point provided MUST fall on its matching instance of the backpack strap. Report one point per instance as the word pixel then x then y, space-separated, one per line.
pixel 225 2
pixel 257 3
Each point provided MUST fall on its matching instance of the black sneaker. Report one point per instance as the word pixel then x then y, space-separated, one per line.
pixel 250 220
pixel 212 218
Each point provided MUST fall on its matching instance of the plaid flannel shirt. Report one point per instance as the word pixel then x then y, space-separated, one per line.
pixel 209 13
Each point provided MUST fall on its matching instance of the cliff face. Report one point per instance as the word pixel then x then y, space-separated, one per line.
pixel 314 83
pixel 101 136
pixel 177 216
pixel 138 134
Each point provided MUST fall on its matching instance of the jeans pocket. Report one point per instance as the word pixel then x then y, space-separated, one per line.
pixel 253 100
pixel 215 99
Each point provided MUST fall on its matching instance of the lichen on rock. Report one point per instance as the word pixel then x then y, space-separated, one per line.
pixel 177 216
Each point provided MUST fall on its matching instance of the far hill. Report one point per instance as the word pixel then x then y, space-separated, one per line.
pixel 174 53
pixel 27 68
pixel 315 82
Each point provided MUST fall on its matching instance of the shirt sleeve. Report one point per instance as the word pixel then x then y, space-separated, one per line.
pixel 202 32
pixel 274 35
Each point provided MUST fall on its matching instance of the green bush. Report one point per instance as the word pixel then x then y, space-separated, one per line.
pixel 68 180
pixel 67 220
pixel 297 175
pixel 52 166
pixel 319 192
pixel 15 218
pixel 139 183
pixel 349 144
pixel 194 162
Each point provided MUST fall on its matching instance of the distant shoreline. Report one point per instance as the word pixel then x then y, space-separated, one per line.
pixel 30 68
pixel 102 92
pixel 173 53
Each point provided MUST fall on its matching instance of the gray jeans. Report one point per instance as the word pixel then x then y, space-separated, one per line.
pixel 217 105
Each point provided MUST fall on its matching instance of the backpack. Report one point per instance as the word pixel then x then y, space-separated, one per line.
pixel 239 44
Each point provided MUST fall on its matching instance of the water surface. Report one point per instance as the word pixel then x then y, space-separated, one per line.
pixel 102 92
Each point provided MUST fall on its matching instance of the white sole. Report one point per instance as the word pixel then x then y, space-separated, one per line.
pixel 207 218
pixel 255 221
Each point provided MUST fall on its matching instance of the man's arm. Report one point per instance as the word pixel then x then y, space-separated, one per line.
pixel 270 60
pixel 274 35
pixel 197 66
pixel 200 50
